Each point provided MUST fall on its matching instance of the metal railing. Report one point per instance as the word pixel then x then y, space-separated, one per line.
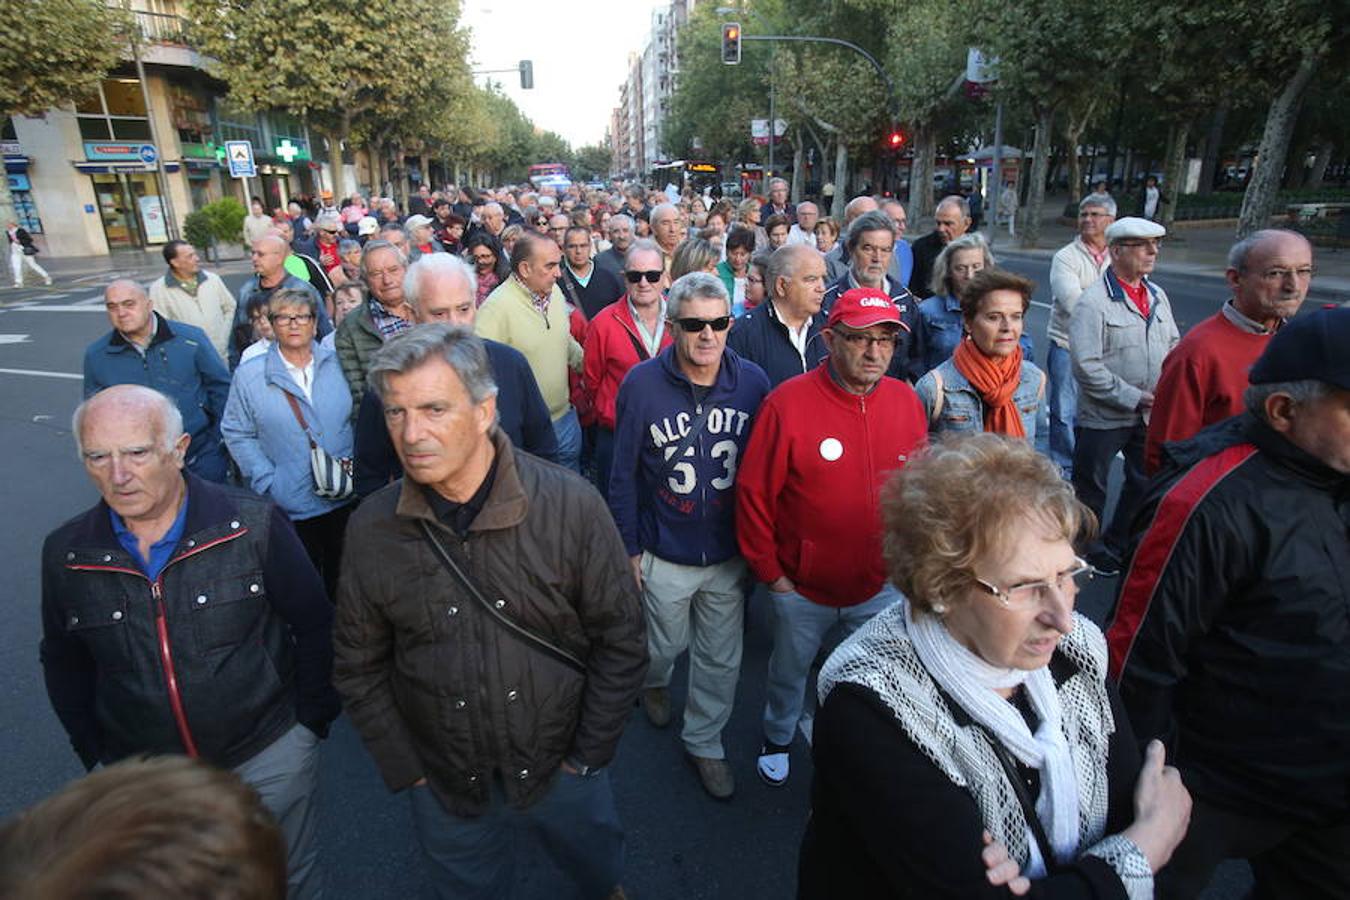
pixel 161 28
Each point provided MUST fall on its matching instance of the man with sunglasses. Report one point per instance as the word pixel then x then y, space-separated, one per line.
pixel 807 501
pixel 626 332
pixel 682 423
pixel 1119 332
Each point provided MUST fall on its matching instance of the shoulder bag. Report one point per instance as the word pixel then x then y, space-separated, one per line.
pixel 332 474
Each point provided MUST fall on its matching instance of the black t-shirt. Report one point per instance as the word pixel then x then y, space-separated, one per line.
pixel 459 516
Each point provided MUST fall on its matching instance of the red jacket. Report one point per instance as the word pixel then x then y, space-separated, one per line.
pixel 576 391
pixel 1202 382
pixel 613 346
pixel 808 491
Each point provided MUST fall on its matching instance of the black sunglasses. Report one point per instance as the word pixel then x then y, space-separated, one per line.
pixel 634 277
pixel 694 326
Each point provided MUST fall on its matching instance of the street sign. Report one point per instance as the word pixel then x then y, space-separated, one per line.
pixel 148 154
pixel 240 156
pixel 287 151
pixel 759 131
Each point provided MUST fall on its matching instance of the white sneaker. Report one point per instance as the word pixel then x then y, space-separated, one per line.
pixel 773 767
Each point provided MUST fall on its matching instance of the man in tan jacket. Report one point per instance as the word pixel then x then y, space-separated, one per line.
pixel 188 293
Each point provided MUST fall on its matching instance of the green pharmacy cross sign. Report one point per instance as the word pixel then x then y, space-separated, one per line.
pixel 288 151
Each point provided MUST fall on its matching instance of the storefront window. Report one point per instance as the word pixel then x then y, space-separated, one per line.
pixel 94 129
pixel 117 113
pixel 131 129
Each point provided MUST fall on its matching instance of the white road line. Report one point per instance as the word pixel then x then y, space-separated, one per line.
pixel 42 374
pixel 13 338
pixel 1041 305
pixel 97 299
pixel 44 307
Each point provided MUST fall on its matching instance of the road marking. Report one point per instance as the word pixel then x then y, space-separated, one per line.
pixel 42 374
pixel 97 299
pixel 44 307
pixel 1041 304
pixel 13 338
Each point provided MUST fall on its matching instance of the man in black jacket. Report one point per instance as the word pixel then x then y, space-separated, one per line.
pixel 181 616
pixel 490 639
pixel 1232 635
pixel 782 335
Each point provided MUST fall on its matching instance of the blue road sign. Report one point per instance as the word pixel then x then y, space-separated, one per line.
pixel 239 154
pixel 148 154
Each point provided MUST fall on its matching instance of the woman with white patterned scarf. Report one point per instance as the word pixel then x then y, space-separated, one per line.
pixel 967 743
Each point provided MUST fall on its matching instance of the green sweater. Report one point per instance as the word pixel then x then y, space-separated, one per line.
pixel 508 315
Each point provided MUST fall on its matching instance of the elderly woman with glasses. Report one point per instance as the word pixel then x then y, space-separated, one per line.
pixel 282 403
pixel 989 383
pixel 968 744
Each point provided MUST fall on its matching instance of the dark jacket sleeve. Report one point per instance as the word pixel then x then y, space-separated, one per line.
pixel 610 610
pixel 623 472
pixel 375 462
pixel 296 593
pixel 890 814
pixel 215 378
pixel 67 667
pixel 536 426
pixel 918 342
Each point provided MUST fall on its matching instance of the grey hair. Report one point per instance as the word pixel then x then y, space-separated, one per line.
pixel 1106 204
pixel 391 227
pixel 641 245
pixel 956 200
pixel 876 220
pixel 347 245
pixel 1238 253
pixel 327 218
pixel 1301 392
pixel 783 262
pixel 661 209
pixel 942 265
pixel 494 206
pixel 437 264
pixel 692 255
pixel 620 219
pixel 165 411
pixel 695 286
pixel 293 297
pixel 777 181
pixel 458 347
pixel 371 247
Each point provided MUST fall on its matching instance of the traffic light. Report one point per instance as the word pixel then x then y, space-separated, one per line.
pixel 731 43
pixel 896 140
pixel 526 74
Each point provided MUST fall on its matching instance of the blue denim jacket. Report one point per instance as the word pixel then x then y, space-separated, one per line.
pixel 941 316
pixel 961 409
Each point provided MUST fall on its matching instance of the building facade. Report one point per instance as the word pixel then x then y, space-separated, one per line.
pixel 638 135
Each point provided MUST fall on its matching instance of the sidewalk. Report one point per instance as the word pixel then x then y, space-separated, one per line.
pixel 1195 250
pixel 142 265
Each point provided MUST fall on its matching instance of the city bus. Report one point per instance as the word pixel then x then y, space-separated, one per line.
pixel 693 174
pixel 550 174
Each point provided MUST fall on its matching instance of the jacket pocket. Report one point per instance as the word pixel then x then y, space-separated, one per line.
pixel 101 624
pixel 226 611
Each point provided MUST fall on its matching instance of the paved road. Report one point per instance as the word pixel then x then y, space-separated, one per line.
pixel 681 844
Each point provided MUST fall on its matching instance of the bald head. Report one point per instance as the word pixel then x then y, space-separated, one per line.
pixel 856 207
pixel 132 402
pixel 269 257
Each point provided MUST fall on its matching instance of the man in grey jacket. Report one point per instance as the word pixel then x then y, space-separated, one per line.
pixel 1119 332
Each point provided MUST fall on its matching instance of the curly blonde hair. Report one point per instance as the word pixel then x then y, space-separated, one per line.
pixel 959 502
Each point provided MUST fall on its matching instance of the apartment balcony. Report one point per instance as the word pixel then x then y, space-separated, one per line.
pixel 164 40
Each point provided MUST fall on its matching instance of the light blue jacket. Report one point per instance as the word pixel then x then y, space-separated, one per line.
pixel 266 440
pixel 953 405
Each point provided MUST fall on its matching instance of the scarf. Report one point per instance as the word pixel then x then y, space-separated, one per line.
pixel 995 379
pixel 971 682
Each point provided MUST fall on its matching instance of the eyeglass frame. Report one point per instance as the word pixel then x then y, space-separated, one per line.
pixel 1005 595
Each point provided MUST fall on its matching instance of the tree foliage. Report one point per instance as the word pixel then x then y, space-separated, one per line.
pixel 54 52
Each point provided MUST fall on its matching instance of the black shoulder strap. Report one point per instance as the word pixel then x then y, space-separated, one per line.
pixel 515 628
pixel 695 429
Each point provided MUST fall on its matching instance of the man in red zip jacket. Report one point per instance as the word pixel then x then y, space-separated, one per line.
pixel 807 499
pixel 630 330
pixel 182 616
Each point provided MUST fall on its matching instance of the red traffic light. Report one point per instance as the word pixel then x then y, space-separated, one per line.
pixel 896 140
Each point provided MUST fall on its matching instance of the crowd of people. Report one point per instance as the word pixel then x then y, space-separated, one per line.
pixel 479 475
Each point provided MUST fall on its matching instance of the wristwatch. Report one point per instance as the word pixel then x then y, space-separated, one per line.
pixel 581 768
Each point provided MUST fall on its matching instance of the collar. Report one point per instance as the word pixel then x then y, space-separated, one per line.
pixel 506 505
pixel 577 275
pixel 1290 456
pixel 1117 293
pixel 171 277
pixel 459 517
pixel 539 300
pixel 1242 323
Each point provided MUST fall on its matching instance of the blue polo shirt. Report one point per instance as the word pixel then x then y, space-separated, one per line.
pixel 160 551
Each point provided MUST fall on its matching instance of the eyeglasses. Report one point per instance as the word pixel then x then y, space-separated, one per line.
pixel 292 320
pixel 1152 243
pixel 652 276
pixel 329 230
pixel 1035 593
pixel 868 341
pixel 694 326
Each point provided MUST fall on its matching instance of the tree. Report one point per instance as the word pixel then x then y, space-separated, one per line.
pixel 55 52
pixel 594 161
pixel 368 65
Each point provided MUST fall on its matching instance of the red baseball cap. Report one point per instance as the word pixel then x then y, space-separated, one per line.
pixel 863 307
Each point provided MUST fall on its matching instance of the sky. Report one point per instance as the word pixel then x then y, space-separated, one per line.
pixel 580 51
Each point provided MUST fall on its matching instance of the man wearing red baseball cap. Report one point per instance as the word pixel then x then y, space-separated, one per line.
pixel 807 495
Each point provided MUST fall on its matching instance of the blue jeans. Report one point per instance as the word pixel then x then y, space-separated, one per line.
pixel 286 776
pixel 567 429
pixel 474 858
pixel 799 625
pixel 1063 389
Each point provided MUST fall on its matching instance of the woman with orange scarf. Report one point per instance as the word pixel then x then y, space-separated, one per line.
pixel 987 385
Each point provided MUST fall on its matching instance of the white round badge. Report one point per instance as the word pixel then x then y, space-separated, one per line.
pixel 831 449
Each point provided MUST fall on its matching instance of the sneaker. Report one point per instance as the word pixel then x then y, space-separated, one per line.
pixel 715 775
pixel 656 703
pixel 773 764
